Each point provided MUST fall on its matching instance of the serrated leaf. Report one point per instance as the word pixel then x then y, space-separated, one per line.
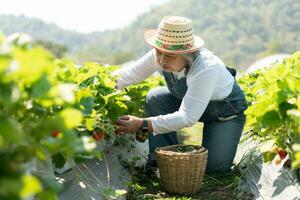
pixel 270 118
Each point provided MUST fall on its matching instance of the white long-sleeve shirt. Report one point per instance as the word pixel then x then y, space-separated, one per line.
pixel 207 79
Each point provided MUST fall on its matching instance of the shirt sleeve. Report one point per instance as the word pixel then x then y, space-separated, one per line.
pixel 200 88
pixel 138 71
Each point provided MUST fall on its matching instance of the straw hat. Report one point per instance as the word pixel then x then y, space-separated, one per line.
pixel 174 35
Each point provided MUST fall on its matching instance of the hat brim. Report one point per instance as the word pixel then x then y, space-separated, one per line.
pixel 150 36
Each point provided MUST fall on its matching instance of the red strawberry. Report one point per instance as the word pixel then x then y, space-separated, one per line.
pixel 55 133
pixel 282 153
pixel 98 135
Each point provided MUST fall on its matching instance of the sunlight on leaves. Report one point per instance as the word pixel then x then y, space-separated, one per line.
pixel 31 186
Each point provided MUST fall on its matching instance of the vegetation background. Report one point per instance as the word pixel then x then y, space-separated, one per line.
pixel 239 32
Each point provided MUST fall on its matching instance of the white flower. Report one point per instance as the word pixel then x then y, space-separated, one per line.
pixel 88 143
pixel 66 91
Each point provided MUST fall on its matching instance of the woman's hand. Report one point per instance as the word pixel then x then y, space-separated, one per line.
pixel 128 124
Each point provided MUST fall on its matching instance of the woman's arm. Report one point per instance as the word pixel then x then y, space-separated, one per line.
pixel 138 71
pixel 200 88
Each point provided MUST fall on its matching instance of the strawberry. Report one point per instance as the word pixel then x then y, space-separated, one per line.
pixel 98 135
pixel 282 153
pixel 55 133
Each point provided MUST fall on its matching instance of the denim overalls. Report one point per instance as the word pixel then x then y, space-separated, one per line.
pixel 223 121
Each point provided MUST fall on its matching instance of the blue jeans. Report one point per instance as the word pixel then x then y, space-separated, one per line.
pixel 220 138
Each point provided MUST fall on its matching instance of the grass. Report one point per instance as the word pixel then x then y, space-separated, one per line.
pixel 147 185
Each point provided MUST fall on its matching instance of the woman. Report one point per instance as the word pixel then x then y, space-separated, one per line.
pixel 199 88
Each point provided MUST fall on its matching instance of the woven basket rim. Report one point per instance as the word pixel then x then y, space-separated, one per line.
pixel 165 150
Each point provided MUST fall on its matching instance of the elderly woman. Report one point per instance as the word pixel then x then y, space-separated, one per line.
pixel 199 88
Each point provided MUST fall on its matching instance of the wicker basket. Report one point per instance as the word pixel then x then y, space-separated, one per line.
pixel 181 172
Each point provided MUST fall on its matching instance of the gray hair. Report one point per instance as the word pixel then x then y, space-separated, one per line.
pixel 191 57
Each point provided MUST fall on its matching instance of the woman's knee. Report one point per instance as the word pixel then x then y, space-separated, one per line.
pixel 153 95
pixel 158 102
pixel 221 140
pixel 153 100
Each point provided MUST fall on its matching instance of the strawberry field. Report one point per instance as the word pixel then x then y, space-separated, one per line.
pixel 58 108
pixel 273 117
pixel 53 107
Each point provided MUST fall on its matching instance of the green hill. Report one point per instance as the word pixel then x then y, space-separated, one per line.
pixel 45 31
pixel 238 31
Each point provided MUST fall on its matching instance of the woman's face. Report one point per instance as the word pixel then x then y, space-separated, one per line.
pixel 170 62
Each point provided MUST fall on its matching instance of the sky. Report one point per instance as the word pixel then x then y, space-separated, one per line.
pixel 82 16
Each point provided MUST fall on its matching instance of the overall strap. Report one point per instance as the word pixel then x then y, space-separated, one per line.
pixel 232 71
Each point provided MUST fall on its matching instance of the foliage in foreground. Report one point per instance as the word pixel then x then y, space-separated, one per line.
pixel 48 109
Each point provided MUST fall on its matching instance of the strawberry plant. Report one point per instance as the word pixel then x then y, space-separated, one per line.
pixel 274 114
pixel 53 107
pixel 33 107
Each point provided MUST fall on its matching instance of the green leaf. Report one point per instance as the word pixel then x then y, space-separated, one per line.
pixel 9 94
pixel 9 129
pixel 10 185
pixel 41 87
pixel 270 118
pixel 1 142
pixel 138 187
pixel 90 123
pixel 284 107
pixel 58 160
pixel 88 104
pixel 295 115
pixel 119 193
pixel 89 81
pixel 268 156
pixel 71 117
pixel 34 63
pixel 109 83
pixel 5 60
pixel 52 184
pixel 49 195
pixel 97 154
pixel 31 186
pixel 296 162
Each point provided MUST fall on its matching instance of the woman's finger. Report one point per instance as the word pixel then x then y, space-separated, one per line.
pixel 121 130
pixel 121 122
pixel 124 117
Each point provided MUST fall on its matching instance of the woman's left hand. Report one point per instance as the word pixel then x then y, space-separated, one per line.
pixel 128 124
